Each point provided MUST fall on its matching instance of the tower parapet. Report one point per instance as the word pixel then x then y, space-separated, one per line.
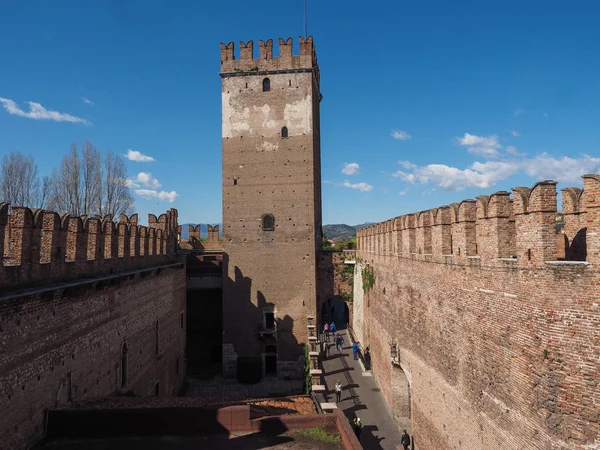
pixel 248 64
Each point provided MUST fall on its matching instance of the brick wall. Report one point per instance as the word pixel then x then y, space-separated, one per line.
pixel 66 344
pixel 498 350
pixel 41 247
pixel 75 294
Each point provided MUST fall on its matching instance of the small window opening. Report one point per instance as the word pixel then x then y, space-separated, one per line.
pixel 157 389
pixel 268 222
pixel 270 321
pixel 266 85
pixel 156 340
pixel 235 181
pixel 290 83
pixel 124 365
pixel 529 254
pixel 246 85
pixel 284 132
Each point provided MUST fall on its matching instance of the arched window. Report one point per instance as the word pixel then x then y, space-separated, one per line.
pixel 284 132
pixel 124 365
pixel 268 222
pixel 266 85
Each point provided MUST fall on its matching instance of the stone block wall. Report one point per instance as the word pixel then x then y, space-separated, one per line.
pixel 496 349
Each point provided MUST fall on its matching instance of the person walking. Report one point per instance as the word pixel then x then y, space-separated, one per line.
pixel 355 350
pixel 405 440
pixel 333 329
pixel 338 391
pixel 357 426
pixel 326 331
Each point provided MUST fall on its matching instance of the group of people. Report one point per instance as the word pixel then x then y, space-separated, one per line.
pixel 330 329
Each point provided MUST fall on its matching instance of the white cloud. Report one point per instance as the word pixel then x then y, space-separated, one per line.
pixel 515 133
pixel 134 155
pixel 146 179
pixel 351 169
pixel 38 112
pixel 486 147
pixel 400 135
pixel 482 175
pixel 363 187
pixel 88 101
pixel 512 150
pixel 487 174
pixel 131 184
pixel 564 170
pixel 519 111
pixel 404 191
pixel 150 194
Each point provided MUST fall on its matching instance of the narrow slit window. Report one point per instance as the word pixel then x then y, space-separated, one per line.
pixel 284 132
pixel 266 85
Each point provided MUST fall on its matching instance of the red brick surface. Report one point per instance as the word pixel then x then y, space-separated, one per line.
pixel 66 344
pixel 498 352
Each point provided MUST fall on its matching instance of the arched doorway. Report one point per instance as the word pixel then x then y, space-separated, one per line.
pixel 335 309
pixel 401 397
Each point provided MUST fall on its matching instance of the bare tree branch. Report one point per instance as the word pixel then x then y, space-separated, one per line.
pixel 19 183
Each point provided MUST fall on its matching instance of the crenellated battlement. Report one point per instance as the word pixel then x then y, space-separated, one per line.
pixel 519 229
pixel 265 62
pixel 42 247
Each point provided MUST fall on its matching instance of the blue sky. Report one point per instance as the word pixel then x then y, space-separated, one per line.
pixel 425 103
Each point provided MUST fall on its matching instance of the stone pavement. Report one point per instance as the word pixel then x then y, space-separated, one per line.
pixel 360 398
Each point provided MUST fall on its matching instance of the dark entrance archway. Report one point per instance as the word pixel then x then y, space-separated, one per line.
pixel 270 360
pixel 335 309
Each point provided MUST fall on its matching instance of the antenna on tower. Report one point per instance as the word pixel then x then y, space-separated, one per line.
pixel 305 22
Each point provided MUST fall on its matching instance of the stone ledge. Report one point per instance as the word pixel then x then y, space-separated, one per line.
pixel 316 372
pixel 568 263
pixel 328 406
pixel 318 388
pixel 313 354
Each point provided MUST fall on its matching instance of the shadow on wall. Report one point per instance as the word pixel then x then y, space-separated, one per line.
pixel 255 340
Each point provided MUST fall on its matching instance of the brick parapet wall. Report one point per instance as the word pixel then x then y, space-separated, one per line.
pixel 42 247
pixel 266 62
pixel 65 343
pixel 495 229
pixel 494 354
pixel 497 349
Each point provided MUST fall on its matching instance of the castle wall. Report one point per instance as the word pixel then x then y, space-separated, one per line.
pixel 63 341
pixel 497 350
pixel 269 172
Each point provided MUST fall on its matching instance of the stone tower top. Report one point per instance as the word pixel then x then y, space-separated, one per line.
pixel 266 63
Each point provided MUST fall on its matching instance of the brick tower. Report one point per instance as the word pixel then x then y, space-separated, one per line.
pixel 271 205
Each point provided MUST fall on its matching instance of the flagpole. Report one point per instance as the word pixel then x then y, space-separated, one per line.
pixel 305 22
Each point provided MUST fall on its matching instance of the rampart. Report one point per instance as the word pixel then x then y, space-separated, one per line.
pixel 491 315
pixel 195 242
pixel 43 247
pixel 88 308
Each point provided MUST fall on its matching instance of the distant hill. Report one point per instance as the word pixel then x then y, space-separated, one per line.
pixel 203 230
pixel 339 231
pixel 342 231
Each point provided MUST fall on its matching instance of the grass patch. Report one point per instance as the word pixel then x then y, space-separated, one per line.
pixel 319 434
